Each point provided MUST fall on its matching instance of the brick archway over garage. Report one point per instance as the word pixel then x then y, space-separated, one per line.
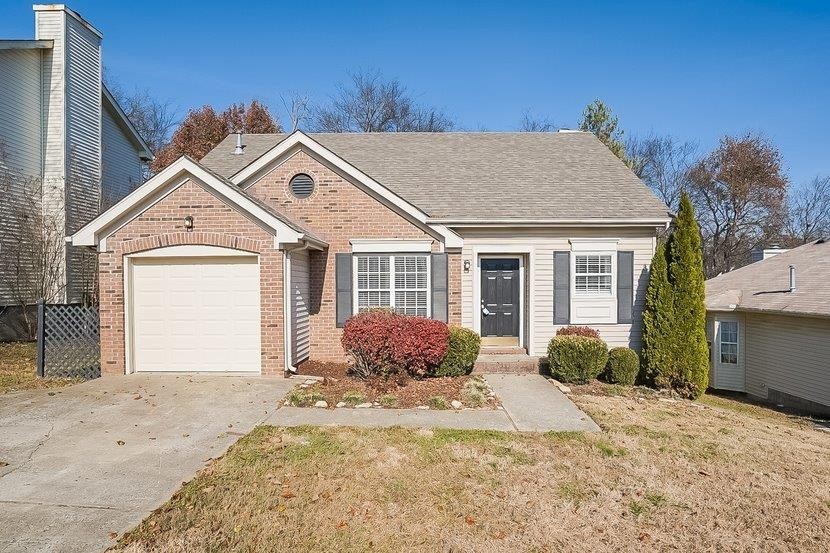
pixel 215 224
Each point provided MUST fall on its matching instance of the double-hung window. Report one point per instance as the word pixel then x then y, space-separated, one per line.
pixel 729 342
pixel 593 274
pixel 399 282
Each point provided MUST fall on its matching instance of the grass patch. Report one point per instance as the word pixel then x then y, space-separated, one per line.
pixel 303 397
pixel 352 398
pixel 608 449
pixel 438 402
pixel 665 476
pixel 388 401
pixel 18 370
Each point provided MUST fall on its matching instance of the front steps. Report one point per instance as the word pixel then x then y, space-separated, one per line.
pixel 506 360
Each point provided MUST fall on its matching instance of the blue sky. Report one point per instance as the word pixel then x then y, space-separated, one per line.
pixel 695 70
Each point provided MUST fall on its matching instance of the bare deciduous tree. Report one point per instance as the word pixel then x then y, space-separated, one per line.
pixel 371 103
pixel 154 119
pixel 33 239
pixel 532 123
pixel 809 212
pixel 663 163
pixel 739 191
pixel 298 108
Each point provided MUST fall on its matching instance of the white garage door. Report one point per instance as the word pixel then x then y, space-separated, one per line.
pixel 196 314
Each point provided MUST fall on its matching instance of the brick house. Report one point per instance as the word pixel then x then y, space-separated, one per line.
pixel 252 259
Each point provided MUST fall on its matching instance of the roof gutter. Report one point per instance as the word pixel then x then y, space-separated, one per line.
pixel 778 312
pixel 553 222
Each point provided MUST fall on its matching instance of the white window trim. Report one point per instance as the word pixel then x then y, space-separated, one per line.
pixel 391 246
pixel 593 246
pixel 391 255
pixel 737 342
pixel 588 293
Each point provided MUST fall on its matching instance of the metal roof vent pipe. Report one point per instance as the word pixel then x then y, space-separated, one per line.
pixel 792 278
pixel 240 147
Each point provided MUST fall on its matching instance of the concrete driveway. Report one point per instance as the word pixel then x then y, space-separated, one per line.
pixel 94 459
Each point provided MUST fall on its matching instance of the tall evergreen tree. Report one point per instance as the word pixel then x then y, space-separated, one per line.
pixel 658 319
pixel 598 118
pixel 689 368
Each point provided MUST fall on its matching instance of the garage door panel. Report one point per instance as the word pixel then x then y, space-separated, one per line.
pixel 196 314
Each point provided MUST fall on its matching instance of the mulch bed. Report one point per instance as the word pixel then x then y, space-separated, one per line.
pixel 408 392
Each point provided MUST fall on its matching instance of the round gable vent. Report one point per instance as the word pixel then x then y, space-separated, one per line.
pixel 301 185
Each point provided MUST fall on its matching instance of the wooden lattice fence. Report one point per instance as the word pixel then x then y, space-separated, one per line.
pixel 68 341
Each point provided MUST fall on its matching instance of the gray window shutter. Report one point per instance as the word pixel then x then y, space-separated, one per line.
pixel 440 288
pixel 625 287
pixel 561 288
pixel 343 286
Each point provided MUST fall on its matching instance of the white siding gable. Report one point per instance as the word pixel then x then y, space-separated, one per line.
pixel 121 164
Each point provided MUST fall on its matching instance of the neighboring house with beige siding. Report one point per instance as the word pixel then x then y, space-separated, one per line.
pixel 511 234
pixel 769 328
pixel 60 127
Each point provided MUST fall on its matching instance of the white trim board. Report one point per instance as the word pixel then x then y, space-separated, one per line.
pixel 390 246
pixel 299 139
pixel 526 273
pixel 142 198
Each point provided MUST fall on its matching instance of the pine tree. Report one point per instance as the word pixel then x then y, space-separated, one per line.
pixel 688 371
pixel 658 320
pixel 598 118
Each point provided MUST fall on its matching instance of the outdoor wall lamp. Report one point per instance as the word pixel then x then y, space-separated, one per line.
pixel 188 222
pixel 466 265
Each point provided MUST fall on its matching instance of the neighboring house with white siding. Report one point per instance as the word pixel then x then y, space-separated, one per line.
pixel 769 328
pixel 61 127
pixel 513 235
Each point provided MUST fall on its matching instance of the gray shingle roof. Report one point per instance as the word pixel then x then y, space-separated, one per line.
pixel 763 286
pixel 481 175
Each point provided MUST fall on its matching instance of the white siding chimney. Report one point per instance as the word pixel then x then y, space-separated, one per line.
pixel 760 254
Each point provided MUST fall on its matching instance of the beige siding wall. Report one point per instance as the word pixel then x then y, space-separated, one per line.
pixel 20 147
pixel 300 330
pixel 538 246
pixel 121 164
pixel 788 354
pixel 726 376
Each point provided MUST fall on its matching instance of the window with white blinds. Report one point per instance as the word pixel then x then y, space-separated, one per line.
pixel 399 282
pixel 592 274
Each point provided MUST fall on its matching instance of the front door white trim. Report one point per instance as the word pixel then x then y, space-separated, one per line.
pixel 524 254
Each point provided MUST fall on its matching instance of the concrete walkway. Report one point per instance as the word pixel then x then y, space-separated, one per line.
pixel 98 457
pixel 531 404
pixel 534 404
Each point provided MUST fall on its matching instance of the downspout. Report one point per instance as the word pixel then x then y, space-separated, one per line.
pixel 289 367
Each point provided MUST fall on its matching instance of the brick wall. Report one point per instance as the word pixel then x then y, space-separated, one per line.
pixel 339 211
pixel 215 224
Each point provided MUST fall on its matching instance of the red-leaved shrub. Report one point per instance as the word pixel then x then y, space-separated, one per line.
pixel 571 330
pixel 383 343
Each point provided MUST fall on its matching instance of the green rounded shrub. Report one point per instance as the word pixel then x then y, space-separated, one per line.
pixel 462 352
pixel 576 359
pixel 623 366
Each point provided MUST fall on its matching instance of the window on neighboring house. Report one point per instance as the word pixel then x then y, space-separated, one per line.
pixel 400 282
pixel 729 342
pixel 592 274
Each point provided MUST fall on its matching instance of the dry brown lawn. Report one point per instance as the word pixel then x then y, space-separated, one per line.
pixel 18 370
pixel 662 475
